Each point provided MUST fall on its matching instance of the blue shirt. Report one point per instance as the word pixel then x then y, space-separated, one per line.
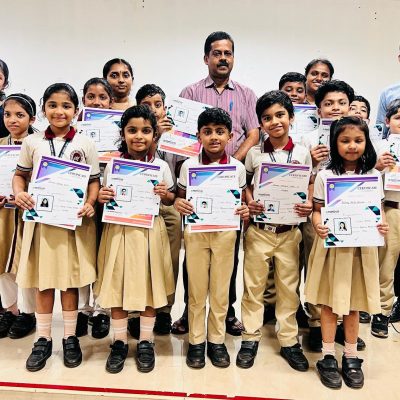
pixel 387 96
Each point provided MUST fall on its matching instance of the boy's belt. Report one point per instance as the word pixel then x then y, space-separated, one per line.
pixel 392 204
pixel 274 228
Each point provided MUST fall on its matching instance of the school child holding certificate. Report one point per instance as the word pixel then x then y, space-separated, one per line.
pixel 53 257
pixel 389 254
pixel 97 93
pixel 343 281
pixel 209 255
pixel 154 97
pixel 266 241
pixel 134 263
pixel 19 115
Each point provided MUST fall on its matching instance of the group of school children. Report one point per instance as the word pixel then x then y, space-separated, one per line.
pixel 132 269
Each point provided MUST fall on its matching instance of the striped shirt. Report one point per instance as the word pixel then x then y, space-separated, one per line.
pixel 238 100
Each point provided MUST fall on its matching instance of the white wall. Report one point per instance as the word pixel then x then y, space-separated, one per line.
pixel 45 41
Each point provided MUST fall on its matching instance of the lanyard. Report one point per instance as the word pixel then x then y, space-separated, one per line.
pixel 289 157
pixel 62 151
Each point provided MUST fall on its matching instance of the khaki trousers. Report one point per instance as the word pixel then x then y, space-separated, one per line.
pixel 209 263
pixel 388 256
pixel 173 222
pixel 260 247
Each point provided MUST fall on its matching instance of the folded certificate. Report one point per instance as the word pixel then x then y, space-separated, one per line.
pixel 215 196
pixel 182 140
pixel 102 126
pixel 353 190
pixel 135 203
pixel 8 162
pixel 352 226
pixel 59 190
pixel 305 121
pixel 279 188
pixel 324 131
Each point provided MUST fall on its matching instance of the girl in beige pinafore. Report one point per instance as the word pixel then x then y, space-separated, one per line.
pixel 134 263
pixel 343 281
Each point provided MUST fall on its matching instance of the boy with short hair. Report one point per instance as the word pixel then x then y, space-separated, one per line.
pixel 294 85
pixel 388 254
pixel 154 97
pixel 209 255
pixel 266 241
pixel 360 107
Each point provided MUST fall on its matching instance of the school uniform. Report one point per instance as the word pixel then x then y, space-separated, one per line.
pixel 173 223
pixel 53 257
pixel 134 263
pixel 11 227
pixel 345 279
pixel 389 253
pixel 209 263
pixel 264 242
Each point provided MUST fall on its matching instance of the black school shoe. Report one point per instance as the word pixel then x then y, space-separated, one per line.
pixel 195 356
pixel 41 351
pixel 365 317
pixel 117 357
pixel 145 358
pixel 380 326
pixel 100 326
pixel 72 352
pixel 295 357
pixel 134 327
pixel 247 354
pixel 339 338
pixel 81 324
pixel 329 372
pixel 315 339
pixel 352 373
pixel 233 326
pixel 6 321
pixel 162 326
pixel 395 314
pixel 22 326
pixel 218 355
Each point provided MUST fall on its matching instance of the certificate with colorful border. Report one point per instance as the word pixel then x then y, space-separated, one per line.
pixel 182 140
pixel 279 188
pixel 135 203
pixel 305 121
pixel 392 175
pixel 9 155
pixel 214 193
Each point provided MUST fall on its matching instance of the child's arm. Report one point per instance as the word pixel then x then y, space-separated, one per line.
pixel 255 207
pixel 305 209
pixel 383 227
pixel 167 197
pixel 23 199
pixel 320 229
pixel 92 192
pixel 182 205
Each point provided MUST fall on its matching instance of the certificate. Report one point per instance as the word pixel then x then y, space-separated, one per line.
pixel 324 131
pixel 102 126
pixel 59 191
pixel 215 196
pixel 8 162
pixel 182 140
pixel 135 203
pixel 305 121
pixel 353 190
pixel 352 226
pixel 392 176
pixel 279 188
pixel 55 204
